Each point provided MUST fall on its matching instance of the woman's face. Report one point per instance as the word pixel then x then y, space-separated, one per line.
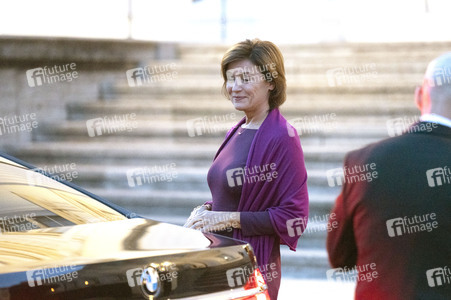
pixel 247 87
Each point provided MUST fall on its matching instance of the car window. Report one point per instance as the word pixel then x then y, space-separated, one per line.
pixel 30 200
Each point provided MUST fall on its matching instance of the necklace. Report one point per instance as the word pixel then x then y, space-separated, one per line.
pixel 244 129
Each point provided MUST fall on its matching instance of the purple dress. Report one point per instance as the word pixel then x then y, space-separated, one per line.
pixel 285 196
pixel 226 189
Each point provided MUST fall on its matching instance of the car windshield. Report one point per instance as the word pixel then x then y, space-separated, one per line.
pixel 30 200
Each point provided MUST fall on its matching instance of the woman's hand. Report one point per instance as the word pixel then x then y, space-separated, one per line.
pixel 195 211
pixel 207 221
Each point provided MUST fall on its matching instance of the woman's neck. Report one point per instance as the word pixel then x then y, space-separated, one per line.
pixel 255 120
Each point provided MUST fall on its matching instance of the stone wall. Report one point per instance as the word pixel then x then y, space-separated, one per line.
pixel 86 72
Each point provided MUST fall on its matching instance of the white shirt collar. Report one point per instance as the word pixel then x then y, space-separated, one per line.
pixel 434 118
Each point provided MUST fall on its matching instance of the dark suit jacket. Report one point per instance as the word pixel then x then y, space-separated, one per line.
pixel 370 231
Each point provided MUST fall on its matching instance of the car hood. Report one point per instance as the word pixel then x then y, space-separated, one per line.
pixel 100 242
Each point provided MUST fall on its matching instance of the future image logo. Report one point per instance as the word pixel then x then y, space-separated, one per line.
pixel 235 177
pixel 316 223
pixel 151 74
pixel 351 174
pixel 438 176
pixel 51 275
pixel 237 277
pixel 358 273
pixel 313 124
pixel 408 225
pixel 295 227
pixel 210 124
pixel 402 125
pixel 18 123
pixel 135 77
pixel 111 124
pixel 220 222
pixel 63 172
pixel 18 223
pixel 146 175
pixel 251 75
pixel 133 276
pixel 257 173
pixel 398 126
pixel 35 77
pixel 335 177
pixel 348 75
pixel 438 276
pixel 152 275
pixel 440 76
pixel 50 75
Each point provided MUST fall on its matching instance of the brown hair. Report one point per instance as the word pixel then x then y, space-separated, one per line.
pixel 265 55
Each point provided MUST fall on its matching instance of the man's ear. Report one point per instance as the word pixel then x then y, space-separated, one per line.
pixel 418 96
pixel 423 98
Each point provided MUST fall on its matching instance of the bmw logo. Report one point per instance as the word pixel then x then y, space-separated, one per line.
pixel 150 282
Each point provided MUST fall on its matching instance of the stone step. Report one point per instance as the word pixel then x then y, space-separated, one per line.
pixel 382 52
pixel 314 136
pixel 214 123
pixel 184 90
pixel 148 178
pixel 173 106
pixel 293 66
pixel 308 76
pixel 163 177
pixel 101 171
pixel 124 153
pixel 302 57
pixel 328 49
pixel 337 141
pixel 207 130
pixel 175 205
pixel 316 169
pixel 334 80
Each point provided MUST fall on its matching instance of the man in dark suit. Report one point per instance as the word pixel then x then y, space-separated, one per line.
pixel 394 211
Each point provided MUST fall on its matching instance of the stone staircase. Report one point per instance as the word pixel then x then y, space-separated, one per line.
pixel 359 88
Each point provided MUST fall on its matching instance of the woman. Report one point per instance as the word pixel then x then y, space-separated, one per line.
pixel 258 179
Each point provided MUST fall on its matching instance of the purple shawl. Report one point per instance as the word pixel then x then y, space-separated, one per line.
pixel 286 197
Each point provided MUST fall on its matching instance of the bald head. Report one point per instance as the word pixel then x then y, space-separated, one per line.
pixel 435 94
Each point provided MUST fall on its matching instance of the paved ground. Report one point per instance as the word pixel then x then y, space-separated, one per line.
pixel 299 289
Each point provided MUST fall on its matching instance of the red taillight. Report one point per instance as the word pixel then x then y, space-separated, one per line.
pixel 256 280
